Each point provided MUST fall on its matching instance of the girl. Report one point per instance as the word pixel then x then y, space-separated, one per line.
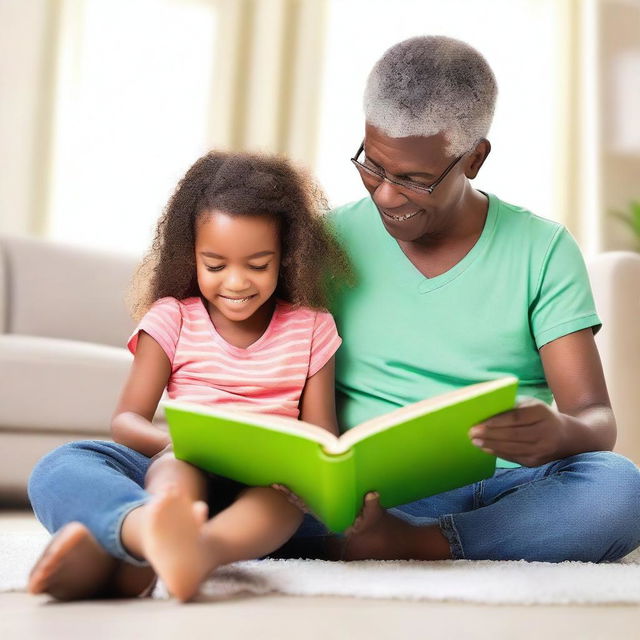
pixel 231 300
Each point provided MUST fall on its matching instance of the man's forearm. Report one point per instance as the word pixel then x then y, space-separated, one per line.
pixel 593 429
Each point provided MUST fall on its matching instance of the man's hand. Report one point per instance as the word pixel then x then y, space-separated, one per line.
pixel 532 434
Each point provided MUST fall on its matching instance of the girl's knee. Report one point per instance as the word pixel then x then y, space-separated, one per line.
pixel 161 465
pixel 53 473
pixel 58 456
pixel 167 470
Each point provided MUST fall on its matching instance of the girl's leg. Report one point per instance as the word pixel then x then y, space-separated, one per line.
pixel 145 528
pixel 81 492
pixel 260 521
pixel 167 470
pixel 165 473
pixel 184 551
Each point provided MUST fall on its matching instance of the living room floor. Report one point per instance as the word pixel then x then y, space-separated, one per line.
pixel 283 617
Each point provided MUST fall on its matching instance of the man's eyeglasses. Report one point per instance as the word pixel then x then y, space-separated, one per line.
pixel 378 176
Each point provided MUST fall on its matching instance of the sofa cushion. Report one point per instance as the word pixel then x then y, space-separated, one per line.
pixel 18 456
pixel 48 384
pixel 61 291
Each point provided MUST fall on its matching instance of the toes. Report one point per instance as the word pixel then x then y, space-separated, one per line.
pixel 357 525
pixel 63 540
pixel 72 566
pixel 370 512
pixel 371 505
pixel 368 504
pixel 36 583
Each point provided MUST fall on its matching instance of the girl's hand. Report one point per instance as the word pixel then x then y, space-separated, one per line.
pixel 532 434
pixel 291 497
pixel 138 433
pixel 167 449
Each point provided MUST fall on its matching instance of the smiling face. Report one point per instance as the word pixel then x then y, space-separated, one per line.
pixel 408 215
pixel 237 262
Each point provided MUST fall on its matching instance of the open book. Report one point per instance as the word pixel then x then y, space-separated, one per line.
pixel 413 452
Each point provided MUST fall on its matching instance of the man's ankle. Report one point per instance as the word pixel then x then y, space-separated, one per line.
pixel 428 543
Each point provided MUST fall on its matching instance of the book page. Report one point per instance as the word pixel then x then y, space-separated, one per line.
pixel 423 407
pixel 277 423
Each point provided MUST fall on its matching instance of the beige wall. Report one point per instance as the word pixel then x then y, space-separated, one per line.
pixel 619 35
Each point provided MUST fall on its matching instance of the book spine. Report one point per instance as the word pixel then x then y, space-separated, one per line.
pixel 339 503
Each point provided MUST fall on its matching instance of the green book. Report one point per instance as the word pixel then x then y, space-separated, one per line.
pixel 410 453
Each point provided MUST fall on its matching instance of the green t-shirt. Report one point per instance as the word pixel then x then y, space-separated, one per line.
pixel 407 337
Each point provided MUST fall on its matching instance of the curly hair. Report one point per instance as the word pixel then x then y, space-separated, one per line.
pixel 244 184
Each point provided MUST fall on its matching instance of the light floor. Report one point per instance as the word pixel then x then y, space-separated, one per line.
pixel 302 618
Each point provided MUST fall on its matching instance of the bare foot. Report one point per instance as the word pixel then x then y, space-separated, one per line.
pixel 172 543
pixel 376 534
pixel 74 567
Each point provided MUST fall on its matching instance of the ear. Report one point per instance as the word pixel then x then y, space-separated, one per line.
pixel 477 158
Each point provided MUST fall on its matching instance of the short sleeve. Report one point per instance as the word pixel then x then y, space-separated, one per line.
pixel 162 322
pixel 324 342
pixel 563 303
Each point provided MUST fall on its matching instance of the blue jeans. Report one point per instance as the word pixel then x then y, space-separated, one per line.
pixel 585 507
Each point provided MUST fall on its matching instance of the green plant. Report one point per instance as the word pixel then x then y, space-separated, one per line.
pixel 631 217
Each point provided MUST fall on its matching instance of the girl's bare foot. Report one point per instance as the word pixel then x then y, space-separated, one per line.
pixel 74 567
pixel 173 544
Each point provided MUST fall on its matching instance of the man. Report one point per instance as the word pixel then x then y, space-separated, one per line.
pixel 453 287
pixel 456 287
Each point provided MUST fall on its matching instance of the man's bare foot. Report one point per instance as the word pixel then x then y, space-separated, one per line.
pixel 173 544
pixel 378 535
pixel 74 567
pixel 375 535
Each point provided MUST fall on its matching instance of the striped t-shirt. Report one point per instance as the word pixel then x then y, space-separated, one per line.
pixel 267 377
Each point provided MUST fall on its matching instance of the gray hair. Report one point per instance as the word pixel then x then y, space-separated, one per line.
pixel 431 84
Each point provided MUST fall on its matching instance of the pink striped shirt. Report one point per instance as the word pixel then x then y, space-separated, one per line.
pixel 268 376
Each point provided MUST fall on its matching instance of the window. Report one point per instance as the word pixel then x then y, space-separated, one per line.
pixel 132 112
pixel 519 38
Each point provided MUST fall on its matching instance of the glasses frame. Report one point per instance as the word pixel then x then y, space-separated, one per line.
pixel 398 182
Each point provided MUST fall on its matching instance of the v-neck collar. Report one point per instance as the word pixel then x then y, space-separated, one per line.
pixel 412 276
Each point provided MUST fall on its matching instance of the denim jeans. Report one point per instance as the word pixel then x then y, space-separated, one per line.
pixel 585 507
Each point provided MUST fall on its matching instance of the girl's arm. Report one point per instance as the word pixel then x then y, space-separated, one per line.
pixel 318 400
pixel 317 406
pixel 148 377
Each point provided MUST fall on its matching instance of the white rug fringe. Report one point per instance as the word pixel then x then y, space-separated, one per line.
pixel 451 580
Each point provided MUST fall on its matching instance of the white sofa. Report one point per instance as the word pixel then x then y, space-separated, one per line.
pixel 615 279
pixel 63 322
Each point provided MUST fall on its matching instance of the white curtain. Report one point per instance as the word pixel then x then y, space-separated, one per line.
pixel 135 90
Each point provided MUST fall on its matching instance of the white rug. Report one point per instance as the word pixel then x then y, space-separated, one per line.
pixel 451 580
